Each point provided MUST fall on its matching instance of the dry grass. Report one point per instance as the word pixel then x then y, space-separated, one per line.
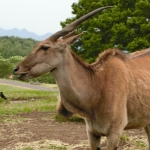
pixel 49 145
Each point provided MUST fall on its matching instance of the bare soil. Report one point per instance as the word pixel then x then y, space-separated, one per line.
pixel 40 131
pixel 37 126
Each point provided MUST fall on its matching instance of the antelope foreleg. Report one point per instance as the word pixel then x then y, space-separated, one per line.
pixel 94 141
pixel 113 141
pixel 147 130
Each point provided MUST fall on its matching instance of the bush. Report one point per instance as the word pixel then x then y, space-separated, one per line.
pixel 5 68
pixel 46 78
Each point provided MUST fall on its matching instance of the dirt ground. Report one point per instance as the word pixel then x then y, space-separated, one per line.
pixel 40 126
pixel 40 131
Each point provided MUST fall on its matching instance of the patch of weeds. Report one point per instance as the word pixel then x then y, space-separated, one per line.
pixel 41 141
pixel 12 120
pixel 1 100
pixel 61 118
pixel 27 148
pixel 124 138
pixel 134 142
pixel 140 144
pixel 55 147
pixel 52 145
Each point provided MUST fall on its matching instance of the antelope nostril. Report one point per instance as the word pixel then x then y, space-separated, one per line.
pixel 16 69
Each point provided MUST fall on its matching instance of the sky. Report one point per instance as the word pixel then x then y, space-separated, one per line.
pixel 38 16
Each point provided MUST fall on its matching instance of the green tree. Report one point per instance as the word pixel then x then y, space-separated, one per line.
pixel 15 46
pixel 126 26
pixel 5 68
pixel 15 60
pixel 46 78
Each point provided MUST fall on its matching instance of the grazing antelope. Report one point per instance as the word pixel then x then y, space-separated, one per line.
pixel 112 94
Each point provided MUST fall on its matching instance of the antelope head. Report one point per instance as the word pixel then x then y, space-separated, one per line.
pixel 48 55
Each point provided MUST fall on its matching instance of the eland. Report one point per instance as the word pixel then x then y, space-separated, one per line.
pixel 112 94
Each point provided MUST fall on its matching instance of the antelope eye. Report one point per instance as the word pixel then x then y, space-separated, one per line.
pixel 45 47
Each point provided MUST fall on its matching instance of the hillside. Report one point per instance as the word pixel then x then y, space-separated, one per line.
pixel 16 46
pixel 23 34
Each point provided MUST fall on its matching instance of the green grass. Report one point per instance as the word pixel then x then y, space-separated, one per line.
pixel 26 107
pixel 133 142
pixel 124 138
pixel 17 93
pixel 27 148
pixel 32 100
pixel 35 100
pixel 55 147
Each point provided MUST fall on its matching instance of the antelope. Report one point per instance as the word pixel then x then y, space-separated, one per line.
pixel 139 53
pixel 112 94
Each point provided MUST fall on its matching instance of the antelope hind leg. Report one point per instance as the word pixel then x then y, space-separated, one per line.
pixel 147 130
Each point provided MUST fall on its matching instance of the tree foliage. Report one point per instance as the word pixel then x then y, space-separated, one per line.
pixel 7 65
pixel 15 46
pixel 126 26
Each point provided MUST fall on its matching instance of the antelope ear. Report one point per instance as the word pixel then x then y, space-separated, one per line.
pixel 72 39
pixel 70 34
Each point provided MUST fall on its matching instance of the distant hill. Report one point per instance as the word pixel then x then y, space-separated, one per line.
pixel 23 34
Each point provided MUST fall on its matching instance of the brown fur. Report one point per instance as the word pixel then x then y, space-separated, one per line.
pixel 108 54
pixel 84 64
pixel 101 58
pixel 140 53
